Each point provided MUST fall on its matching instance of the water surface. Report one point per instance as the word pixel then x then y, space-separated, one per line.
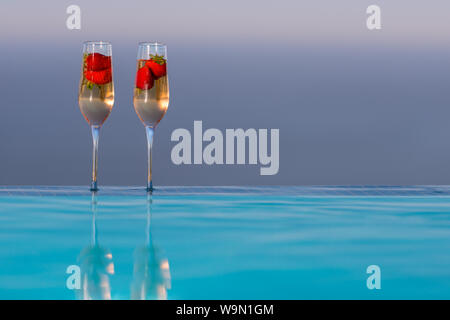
pixel 225 242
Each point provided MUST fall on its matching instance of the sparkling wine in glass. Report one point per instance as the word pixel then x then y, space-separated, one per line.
pixel 96 94
pixel 151 92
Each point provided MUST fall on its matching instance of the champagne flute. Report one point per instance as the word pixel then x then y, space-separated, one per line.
pixel 96 94
pixel 151 92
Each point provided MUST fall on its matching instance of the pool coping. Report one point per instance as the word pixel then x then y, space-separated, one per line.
pixel 329 190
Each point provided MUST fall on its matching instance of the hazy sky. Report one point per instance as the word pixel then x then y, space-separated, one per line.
pixel 296 22
pixel 353 106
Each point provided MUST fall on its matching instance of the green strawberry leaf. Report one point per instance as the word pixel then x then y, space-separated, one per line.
pixel 158 59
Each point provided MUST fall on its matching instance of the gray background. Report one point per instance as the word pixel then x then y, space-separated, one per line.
pixel 353 106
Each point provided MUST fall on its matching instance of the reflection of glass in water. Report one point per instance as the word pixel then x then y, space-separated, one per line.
pixel 96 266
pixel 151 277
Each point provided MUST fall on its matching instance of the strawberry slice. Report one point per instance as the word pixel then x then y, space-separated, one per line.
pixel 97 61
pixel 99 77
pixel 144 78
pixel 157 64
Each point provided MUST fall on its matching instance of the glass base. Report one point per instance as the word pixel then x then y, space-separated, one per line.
pixel 94 186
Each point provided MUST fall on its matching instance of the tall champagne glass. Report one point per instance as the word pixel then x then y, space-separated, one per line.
pixel 151 92
pixel 96 94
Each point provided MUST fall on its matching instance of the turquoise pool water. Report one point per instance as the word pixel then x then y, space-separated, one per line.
pixel 225 243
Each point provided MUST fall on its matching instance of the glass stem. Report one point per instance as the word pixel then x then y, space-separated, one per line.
pixel 95 134
pixel 150 132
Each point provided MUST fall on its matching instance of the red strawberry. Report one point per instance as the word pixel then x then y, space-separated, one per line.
pixel 99 77
pixel 97 61
pixel 157 64
pixel 144 78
